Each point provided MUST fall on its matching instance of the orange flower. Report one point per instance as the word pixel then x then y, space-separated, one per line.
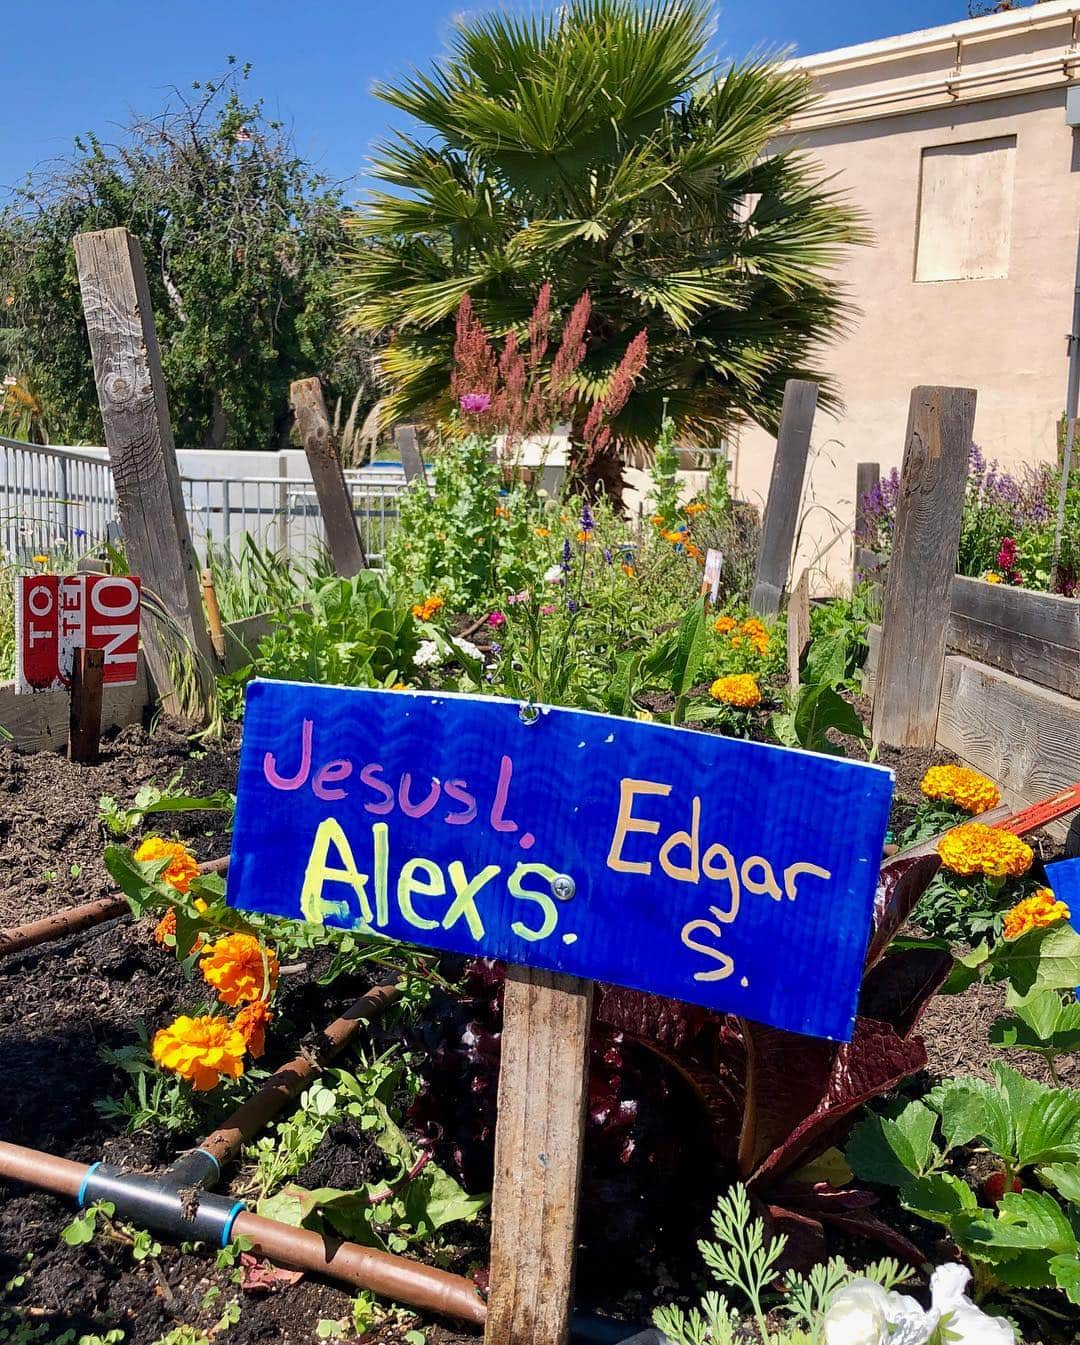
pixel 693 551
pixel 657 520
pixel 182 866
pixel 698 507
pixel 992 577
pixel 723 624
pixel 961 785
pixel 166 926
pixel 1034 912
pixel 542 532
pixel 975 848
pixel 628 570
pixel 201 1050
pixel 583 536
pixel 424 611
pixel 235 967
pixel 501 511
pixel 251 1022
pixel 736 642
pixel 740 690
pixel 676 538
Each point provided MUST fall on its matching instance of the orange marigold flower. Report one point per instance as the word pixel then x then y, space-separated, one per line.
pixel 166 926
pixel 1034 912
pixel 182 866
pixel 975 848
pixel 692 550
pixel 201 1050
pixel 424 611
pixel 235 967
pixel 628 570
pixel 736 642
pixel 501 511
pixel 698 507
pixel 657 520
pixel 251 1022
pixel 676 538
pixel 723 624
pixel 542 532
pixel 583 535
pixel 760 643
pixel 961 785
pixel 740 690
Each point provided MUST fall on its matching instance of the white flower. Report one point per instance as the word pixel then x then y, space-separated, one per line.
pixel 862 1313
pixel 554 575
pixel 467 647
pixel 856 1315
pixel 428 655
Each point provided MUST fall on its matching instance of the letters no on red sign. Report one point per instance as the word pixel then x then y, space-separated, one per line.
pixel 56 615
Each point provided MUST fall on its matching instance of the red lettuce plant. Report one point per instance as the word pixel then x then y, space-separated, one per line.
pixel 768 1102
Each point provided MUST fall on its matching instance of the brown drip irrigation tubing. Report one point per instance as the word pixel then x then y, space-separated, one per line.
pixel 291 1079
pixel 390 1276
pixel 78 918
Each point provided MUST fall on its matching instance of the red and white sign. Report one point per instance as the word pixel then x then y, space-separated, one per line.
pixel 56 615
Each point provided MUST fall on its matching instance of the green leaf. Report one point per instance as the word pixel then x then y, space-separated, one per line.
pixel 818 709
pixel 139 882
pixel 939 1197
pixel 1066 1272
pixel 690 649
pixel 1042 959
pixel 826 659
pixel 1043 1021
pixel 1024 1221
pixel 1064 1178
pixel 892 1150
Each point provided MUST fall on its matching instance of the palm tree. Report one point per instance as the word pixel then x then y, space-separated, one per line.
pixel 601 148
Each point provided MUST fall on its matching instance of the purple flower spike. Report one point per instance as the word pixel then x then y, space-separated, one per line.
pixel 587 523
pixel 566 554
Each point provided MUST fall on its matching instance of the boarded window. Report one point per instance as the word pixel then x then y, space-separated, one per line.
pixel 965 210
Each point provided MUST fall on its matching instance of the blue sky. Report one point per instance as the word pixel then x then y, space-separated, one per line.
pixel 69 66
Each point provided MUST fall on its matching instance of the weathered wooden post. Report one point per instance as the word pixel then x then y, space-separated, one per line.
pixel 785 493
pixel 335 502
pixel 84 723
pixel 798 627
pixel 921 567
pixel 864 557
pixel 408 450
pixel 135 412
pixel 539 1134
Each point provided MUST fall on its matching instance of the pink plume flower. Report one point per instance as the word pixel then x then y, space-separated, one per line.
pixel 474 403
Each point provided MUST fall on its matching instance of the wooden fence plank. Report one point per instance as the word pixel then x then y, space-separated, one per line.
pixel 1031 635
pixel 798 627
pixel 335 502
pixel 408 451
pixel 1024 737
pixel 538 1139
pixel 135 412
pixel 785 495
pixel 922 566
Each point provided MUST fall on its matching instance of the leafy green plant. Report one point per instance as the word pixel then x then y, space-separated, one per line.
pixel 741 1257
pixel 85 1224
pixel 152 799
pixel 1025 1237
pixel 812 713
pixel 1045 1022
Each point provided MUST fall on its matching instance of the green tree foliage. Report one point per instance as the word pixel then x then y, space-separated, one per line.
pixel 240 239
pixel 601 148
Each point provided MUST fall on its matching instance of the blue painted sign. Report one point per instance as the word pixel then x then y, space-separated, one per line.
pixel 1064 880
pixel 726 873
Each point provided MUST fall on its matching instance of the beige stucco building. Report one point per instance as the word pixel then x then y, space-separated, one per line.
pixel 957 142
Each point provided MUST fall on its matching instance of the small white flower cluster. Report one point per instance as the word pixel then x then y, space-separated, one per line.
pixel 863 1313
pixel 432 655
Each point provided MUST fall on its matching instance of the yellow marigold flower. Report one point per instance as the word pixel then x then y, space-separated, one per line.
pixel 424 611
pixel 400 686
pixel 740 690
pixel 696 508
pixel 583 536
pixel 182 866
pixel 166 926
pixel 975 848
pixel 251 1022
pixel 41 560
pixel 992 577
pixel 234 967
pixel 961 785
pixel 1034 912
pixel 542 532
pixel 201 1050
pixel 723 624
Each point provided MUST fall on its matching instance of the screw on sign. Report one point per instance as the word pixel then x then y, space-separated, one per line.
pixel 56 615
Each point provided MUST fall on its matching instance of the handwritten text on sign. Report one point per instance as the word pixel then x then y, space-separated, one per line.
pixel 706 869
pixel 56 615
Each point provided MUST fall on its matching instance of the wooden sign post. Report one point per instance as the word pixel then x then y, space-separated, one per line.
pixel 84 732
pixel 785 494
pixel 574 847
pixel 335 502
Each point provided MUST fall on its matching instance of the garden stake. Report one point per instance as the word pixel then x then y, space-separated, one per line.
pixel 78 918
pixel 84 722
pixel 213 614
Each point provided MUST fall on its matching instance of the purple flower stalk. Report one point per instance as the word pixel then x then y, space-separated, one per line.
pixel 587 523
pixel 475 403
pixel 566 554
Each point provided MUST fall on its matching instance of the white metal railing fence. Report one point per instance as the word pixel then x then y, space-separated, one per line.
pixel 61 503
pixel 55 502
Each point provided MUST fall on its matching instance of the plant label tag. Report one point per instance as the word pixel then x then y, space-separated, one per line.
pixel 710 582
pixel 727 873
pixel 55 615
